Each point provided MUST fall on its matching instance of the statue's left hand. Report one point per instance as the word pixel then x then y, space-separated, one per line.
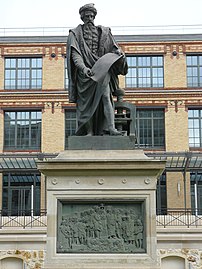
pixel 88 72
pixel 119 52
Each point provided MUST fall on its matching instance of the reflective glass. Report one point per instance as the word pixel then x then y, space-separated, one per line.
pixel 12 63
pixel 22 72
pixel 145 69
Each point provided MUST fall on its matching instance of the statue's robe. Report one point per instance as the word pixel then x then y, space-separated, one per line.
pixel 84 91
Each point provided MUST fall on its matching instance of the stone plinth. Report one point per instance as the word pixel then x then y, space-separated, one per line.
pixel 89 187
pixel 101 142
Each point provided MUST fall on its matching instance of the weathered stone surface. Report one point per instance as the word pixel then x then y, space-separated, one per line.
pixel 101 227
pixel 92 178
pixel 101 142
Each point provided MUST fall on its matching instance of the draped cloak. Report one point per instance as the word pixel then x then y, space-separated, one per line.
pixel 84 91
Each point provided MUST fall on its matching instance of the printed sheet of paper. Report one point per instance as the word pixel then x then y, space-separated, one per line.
pixel 102 66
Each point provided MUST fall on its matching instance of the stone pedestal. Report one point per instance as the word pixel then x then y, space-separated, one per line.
pixel 89 194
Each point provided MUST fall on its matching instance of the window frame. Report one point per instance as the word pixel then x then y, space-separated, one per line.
pixel 161 195
pixel 153 145
pixel 194 68
pixel 149 68
pixel 196 192
pixel 195 119
pixel 72 121
pixel 18 133
pixel 24 65
pixel 15 186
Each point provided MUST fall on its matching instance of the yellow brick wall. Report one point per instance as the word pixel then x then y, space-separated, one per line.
pixel 177 139
pixel 175 190
pixel 175 71
pixel 2 131
pixel 176 129
pixel 1 184
pixel 53 73
pixel 1 73
pixel 53 129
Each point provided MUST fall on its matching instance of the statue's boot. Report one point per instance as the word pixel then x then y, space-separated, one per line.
pixel 113 131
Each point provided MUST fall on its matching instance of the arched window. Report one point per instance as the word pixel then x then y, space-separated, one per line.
pixel 11 263
pixel 173 262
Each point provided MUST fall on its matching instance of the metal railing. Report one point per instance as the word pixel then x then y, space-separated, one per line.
pixel 165 218
pixel 23 219
pixel 117 30
pixel 179 217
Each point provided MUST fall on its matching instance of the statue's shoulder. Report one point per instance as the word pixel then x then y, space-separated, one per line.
pixel 74 34
pixel 76 29
pixel 104 29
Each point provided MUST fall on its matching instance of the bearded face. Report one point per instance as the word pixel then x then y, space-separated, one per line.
pixel 90 31
pixel 88 17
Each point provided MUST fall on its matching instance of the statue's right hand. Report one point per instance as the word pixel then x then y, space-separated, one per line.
pixel 87 72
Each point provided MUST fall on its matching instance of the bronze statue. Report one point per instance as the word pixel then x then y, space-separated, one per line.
pixel 94 62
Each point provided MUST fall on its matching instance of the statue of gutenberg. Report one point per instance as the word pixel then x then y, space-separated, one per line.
pixel 94 62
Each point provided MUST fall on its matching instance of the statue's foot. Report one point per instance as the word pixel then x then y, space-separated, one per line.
pixel 89 134
pixel 113 131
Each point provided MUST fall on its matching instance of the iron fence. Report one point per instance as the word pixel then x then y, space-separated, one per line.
pixel 168 217
pixel 165 218
pixel 23 219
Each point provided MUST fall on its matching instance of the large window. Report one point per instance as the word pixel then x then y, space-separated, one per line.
pixel 21 194
pixel 196 192
pixel 161 195
pixel 195 127
pixel 22 130
pixel 144 71
pixel 70 124
pixel 194 70
pixel 23 73
pixel 151 128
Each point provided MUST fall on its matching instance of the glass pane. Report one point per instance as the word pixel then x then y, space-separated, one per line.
pixel 193 60
pixel 7 63
pixel 190 113
pixel 34 62
pixel 194 71
pixel 195 113
pixel 39 62
pixel 196 123
pixel 34 74
pixel 12 63
pixel 189 62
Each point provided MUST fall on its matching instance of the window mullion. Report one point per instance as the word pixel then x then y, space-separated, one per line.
pixel 30 129
pixel 198 71
pixel 16 77
pixel 152 128
pixel 16 132
pixel 137 72
pixel 30 74
pixel 200 127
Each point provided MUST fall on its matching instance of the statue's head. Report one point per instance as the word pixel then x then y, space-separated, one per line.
pixel 87 11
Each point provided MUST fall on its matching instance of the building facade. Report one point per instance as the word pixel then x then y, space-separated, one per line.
pixel 164 82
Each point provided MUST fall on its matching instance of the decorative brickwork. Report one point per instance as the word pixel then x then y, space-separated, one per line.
pixel 10 51
pixel 31 258
pixel 144 48
pixel 190 256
